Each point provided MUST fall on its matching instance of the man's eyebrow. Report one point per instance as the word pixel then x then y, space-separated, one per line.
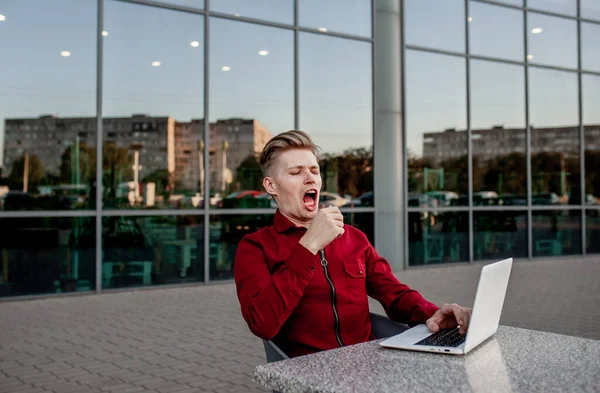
pixel 302 166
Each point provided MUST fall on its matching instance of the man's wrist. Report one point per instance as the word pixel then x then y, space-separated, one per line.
pixel 306 243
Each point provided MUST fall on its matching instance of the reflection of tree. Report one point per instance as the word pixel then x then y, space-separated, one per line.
pixel 161 178
pixel 35 172
pixel 592 174
pixel 554 172
pixel 248 175
pixel 86 165
pixel 117 162
pixel 353 171
pixel 505 174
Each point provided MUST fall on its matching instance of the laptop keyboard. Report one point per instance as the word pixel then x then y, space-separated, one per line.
pixel 444 338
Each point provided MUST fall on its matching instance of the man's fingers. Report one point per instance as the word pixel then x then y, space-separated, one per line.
pixel 467 317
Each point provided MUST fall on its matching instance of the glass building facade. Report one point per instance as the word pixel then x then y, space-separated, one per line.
pixel 451 131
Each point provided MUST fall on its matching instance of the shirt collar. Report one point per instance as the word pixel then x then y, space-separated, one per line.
pixel 282 224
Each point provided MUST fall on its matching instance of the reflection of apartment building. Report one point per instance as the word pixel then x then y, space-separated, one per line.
pixel 164 146
pixel 499 141
pixel 244 137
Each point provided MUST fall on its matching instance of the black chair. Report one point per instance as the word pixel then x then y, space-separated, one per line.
pixel 381 326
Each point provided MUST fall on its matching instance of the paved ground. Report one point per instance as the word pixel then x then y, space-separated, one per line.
pixel 193 339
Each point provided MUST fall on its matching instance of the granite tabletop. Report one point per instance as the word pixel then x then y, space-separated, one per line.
pixel 514 360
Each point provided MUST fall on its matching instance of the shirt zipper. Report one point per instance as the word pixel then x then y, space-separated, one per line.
pixel 335 313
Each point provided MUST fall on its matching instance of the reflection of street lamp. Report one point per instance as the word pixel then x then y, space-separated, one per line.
pixel 201 166
pixel 26 172
pixel 224 169
pixel 136 169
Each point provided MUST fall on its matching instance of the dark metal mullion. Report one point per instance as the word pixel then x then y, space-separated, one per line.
pixel 403 52
pixel 581 133
pixel 206 149
pixel 527 138
pixel 296 68
pixel 99 141
pixel 469 144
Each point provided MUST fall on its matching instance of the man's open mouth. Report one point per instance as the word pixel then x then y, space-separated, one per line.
pixel 310 199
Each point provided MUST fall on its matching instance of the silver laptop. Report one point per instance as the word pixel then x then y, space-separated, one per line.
pixel 487 309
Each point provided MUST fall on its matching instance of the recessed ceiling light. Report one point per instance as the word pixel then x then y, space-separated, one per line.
pixel 323 29
pixel 470 19
pixel 237 15
pixel 263 52
pixel 536 30
pixel 225 68
pixel 104 33
pixel 194 44
pixel 2 18
pixel 156 64
pixel 530 57
pixel 65 53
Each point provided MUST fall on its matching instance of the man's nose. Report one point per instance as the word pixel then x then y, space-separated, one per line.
pixel 310 178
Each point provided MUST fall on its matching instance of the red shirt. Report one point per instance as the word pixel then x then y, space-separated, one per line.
pixel 285 295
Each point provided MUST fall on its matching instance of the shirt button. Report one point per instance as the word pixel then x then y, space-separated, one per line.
pixel 312 268
pixel 360 272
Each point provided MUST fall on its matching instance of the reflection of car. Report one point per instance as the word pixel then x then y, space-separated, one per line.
pixel 329 198
pixel 365 200
pixel 546 198
pixel 17 200
pixel 422 201
pixel 514 200
pixel 444 198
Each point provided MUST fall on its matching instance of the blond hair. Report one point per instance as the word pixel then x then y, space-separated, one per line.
pixel 293 139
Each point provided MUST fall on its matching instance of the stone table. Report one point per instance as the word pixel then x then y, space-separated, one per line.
pixel 514 360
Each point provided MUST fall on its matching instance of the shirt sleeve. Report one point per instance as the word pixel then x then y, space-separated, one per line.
pixel 268 298
pixel 401 303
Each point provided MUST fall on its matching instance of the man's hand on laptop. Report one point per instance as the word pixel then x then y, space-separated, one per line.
pixel 450 316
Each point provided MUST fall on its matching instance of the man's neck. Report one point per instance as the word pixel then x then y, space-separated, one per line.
pixel 297 222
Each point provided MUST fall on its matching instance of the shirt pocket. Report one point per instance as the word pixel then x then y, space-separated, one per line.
pixel 356 282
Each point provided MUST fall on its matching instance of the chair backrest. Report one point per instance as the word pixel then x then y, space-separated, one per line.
pixel 381 327
pixel 273 353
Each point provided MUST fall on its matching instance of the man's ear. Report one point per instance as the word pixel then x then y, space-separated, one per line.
pixel 269 185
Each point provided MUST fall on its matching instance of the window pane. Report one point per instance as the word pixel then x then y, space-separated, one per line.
pixel 47 105
pixel 559 6
pixel 591 123
pixel 555 171
pixel 281 11
pixel 251 100
pixel 499 234
pixel 225 234
pixel 436 237
pixel 47 255
pixel 590 56
pixel 556 232
pixel 436 136
pixel 153 107
pixel 592 228
pixel 495 31
pixel 436 24
pixel 152 250
pixel 337 114
pixel 552 40
pixel 187 3
pixel 590 9
pixel 343 16
pixel 364 222
pixel 498 133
